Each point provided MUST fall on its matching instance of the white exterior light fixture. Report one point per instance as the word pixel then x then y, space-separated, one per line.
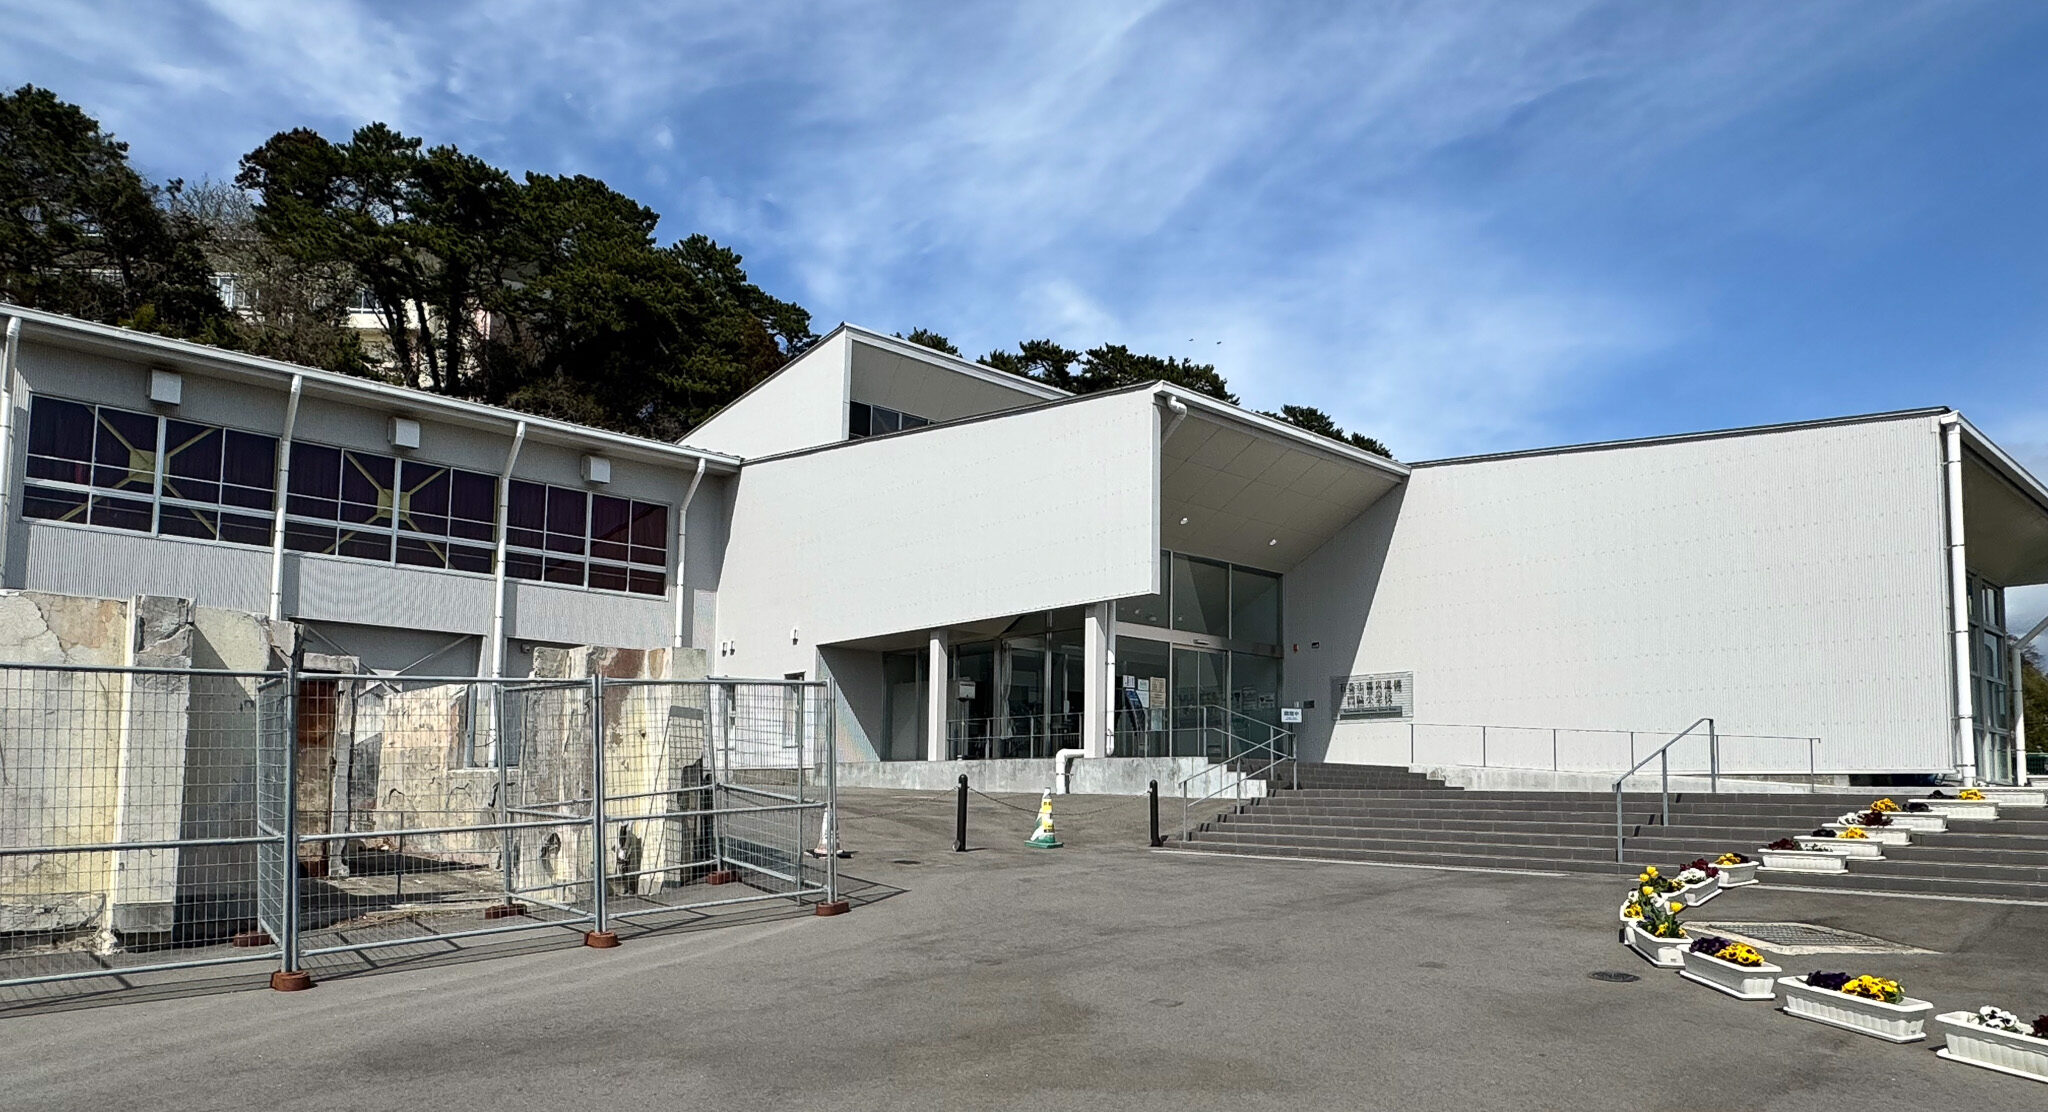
pixel 166 387
pixel 405 432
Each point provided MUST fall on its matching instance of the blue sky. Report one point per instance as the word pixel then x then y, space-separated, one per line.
pixel 1457 226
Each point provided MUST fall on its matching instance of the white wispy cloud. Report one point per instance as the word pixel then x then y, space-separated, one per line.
pixel 1163 174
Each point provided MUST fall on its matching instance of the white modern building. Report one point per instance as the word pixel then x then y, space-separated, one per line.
pixel 992 570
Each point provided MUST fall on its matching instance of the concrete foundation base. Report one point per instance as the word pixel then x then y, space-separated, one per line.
pixel 1540 780
pixel 1091 776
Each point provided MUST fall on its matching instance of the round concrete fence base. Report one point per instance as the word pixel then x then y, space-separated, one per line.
pixel 504 910
pixel 832 907
pixel 723 876
pixel 291 980
pixel 251 938
pixel 600 940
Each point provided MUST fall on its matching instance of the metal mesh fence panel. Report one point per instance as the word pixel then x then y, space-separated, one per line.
pixel 432 809
pixel 157 819
pixel 128 832
pixel 711 798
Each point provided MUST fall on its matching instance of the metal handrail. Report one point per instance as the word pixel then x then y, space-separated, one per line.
pixel 1663 755
pixel 1272 746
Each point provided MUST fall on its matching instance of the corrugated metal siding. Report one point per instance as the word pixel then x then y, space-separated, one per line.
pixel 328 588
pixel 562 615
pixel 104 563
pixel 1788 583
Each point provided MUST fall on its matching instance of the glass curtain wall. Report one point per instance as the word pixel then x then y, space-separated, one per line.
pixel 1991 683
pixel 1198 665
pixel 1018 695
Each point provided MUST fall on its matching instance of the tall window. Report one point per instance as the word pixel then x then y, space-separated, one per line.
pixel 571 537
pixel 98 465
pixel 114 468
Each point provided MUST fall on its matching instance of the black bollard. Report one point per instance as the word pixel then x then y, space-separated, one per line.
pixel 1153 792
pixel 960 818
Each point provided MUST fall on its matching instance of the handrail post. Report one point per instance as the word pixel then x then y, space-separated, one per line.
pixel 1713 759
pixel 1664 768
pixel 1553 749
pixel 1618 855
pixel 1812 772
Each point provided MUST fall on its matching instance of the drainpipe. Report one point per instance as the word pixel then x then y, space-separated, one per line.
pixel 498 580
pixel 1179 409
pixel 682 552
pixel 1959 601
pixel 283 487
pixel 7 358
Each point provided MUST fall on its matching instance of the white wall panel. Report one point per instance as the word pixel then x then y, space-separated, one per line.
pixel 1027 511
pixel 570 616
pixel 802 405
pixel 1787 583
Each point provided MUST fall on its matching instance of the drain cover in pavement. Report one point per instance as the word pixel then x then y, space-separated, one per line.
pixel 1613 976
pixel 1803 938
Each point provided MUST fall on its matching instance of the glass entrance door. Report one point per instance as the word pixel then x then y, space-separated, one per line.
pixel 1200 680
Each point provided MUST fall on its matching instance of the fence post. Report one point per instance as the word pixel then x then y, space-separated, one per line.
pixel 1553 749
pixel 828 745
pixel 960 817
pixel 290 978
pixel 599 936
pixel 1482 747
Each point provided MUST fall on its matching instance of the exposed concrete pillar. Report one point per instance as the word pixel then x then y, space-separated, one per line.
pixel 937 693
pixel 1098 681
pixel 149 790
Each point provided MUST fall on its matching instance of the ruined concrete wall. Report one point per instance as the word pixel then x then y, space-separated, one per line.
pixel 654 743
pixel 58 746
pixel 97 758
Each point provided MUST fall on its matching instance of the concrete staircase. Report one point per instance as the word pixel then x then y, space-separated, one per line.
pixel 1392 815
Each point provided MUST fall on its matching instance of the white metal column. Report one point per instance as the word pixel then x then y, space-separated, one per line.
pixel 1095 684
pixel 938 684
pixel 1959 601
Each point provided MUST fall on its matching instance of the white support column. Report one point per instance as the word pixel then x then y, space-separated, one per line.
pixel 1959 602
pixel 2019 712
pixel 1097 681
pixel 937 694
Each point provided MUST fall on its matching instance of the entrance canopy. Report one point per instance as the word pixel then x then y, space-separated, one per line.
pixel 1246 488
pixel 2005 515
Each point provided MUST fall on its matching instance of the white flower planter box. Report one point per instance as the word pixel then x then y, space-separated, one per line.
pixel 1693 895
pixel 1974 810
pixel 1743 982
pixel 1930 823
pixel 1847 847
pixel 2016 797
pixel 2004 1051
pixel 1899 1023
pixel 1803 861
pixel 1883 835
pixel 1664 953
pixel 1735 876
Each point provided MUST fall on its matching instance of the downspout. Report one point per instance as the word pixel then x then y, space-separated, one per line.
pixel 1959 601
pixel 283 487
pixel 682 551
pixel 1179 409
pixel 7 358
pixel 1063 769
pixel 498 580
